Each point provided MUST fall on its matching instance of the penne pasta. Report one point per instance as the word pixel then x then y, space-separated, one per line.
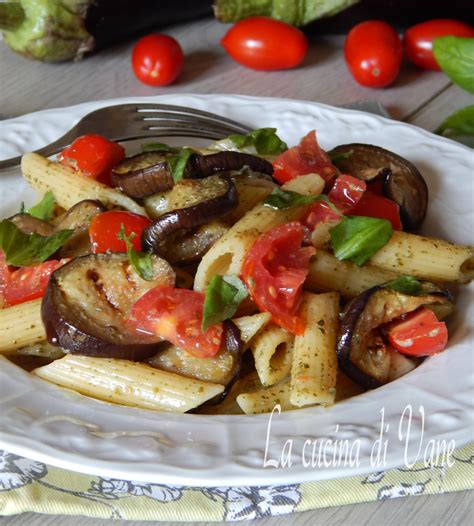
pixel 227 255
pixel 426 258
pixel 314 363
pixel 128 383
pixel 264 400
pixel 69 187
pixel 21 325
pixel 272 350
pixel 249 326
pixel 328 273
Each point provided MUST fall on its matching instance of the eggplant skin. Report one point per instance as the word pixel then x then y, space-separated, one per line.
pixel 358 330
pixel 86 305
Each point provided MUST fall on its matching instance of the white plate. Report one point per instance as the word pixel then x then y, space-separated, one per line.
pixel 55 426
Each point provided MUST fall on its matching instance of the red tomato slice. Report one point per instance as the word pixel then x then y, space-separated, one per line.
pixel 26 283
pixel 104 230
pixel 418 334
pixel 274 271
pixel 372 205
pixel 93 156
pixel 347 192
pixel 305 158
pixel 175 315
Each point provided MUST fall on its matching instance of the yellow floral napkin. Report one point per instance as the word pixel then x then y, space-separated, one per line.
pixel 28 485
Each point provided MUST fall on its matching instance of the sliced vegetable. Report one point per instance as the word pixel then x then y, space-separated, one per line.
pixel 401 180
pixel 105 228
pixel 211 198
pixel 88 301
pixel 419 333
pixel 224 294
pixel 307 157
pixel 29 224
pixel 23 250
pixel 377 206
pixel 45 208
pixel 361 351
pixel 26 283
pixel 149 173
pixel 142 262
pixel 175 315
pixel 274 271
pixel 346 192
pixel 264 140
pixel 93 156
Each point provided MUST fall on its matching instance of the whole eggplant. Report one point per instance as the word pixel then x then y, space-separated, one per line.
pixel 55 31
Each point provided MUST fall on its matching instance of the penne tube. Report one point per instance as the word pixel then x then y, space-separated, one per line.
pixel 249 326
pixel 69 187
pixel 426 258
pixel 227 255
pixel 128 383
pixel 265 400
pixel 327 273
pixel 21 325
pixel 314 363
pixel 272 350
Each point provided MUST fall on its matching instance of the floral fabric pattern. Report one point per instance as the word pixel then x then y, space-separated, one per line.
pixel 28 485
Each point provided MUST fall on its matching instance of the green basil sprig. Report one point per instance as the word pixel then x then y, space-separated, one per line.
pixel 405 285
pixel 264 140
pixel 459 126
pixel 44 209
pixel 358 238
pixel 23 250
pixel 141 262
pixel 178 163
pixel 223 297
pixel 284 199
pixel 455 56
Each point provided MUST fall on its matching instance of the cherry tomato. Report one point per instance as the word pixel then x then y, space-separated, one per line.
pixel 175 315
pixel 93 156
pixel 305 158
pixel 274 270
pixel 104 230
pixel 420 333
pixel 157 60
pixel 418 39
pixel 265 44
pixel 25 283
pixel 373 53
pixel 372 205
pixel 347 192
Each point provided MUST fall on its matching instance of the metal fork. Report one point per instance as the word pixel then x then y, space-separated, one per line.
pixel 133 121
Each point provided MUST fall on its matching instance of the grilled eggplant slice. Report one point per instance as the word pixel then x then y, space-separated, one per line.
pixel 361 351
pixel 88 300
pixel 402 182
pixel 32 225
pixel 148 173
pixel 204 200
pixel 78 218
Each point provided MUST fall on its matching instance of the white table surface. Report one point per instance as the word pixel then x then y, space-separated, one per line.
pixel 419 97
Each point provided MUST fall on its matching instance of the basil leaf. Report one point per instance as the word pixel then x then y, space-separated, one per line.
pixel 44 209
pixel 455 57
pixel 178 163
pixel 141 262
pixel 284 199
pixel 340 156
pixel 224 294
pixel 460 122
pixel 405 285
pixel 358 238
pixel 158 147
pixel 23 250
pixel 265 141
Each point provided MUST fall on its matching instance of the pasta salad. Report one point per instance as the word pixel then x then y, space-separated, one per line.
pixel 225 279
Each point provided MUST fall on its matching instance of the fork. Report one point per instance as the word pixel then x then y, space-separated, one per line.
pixel 126 122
